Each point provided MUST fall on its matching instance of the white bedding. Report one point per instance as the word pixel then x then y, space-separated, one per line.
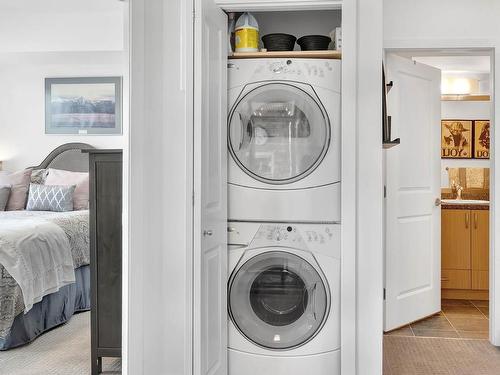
pixel 36 252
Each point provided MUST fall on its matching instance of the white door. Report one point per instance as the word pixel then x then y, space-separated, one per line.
pixel 210 197
pixel 413 216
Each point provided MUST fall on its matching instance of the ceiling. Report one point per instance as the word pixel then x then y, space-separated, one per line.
pixel 457 64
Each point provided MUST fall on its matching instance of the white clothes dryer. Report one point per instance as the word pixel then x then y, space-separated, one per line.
pixel 284 140
pixel 284 299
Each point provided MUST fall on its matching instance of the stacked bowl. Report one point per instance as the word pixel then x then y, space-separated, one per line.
pixel 279 42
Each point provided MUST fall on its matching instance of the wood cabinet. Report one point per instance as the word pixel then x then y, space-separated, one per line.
pixel 464 249
pixel 105 255
pixel 480 249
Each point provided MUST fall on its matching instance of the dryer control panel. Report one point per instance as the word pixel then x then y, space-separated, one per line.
pixel 291 67
pixel 316 72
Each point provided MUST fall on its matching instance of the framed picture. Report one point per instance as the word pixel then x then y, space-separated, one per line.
pixel 456 139
pixel 482 139
pixel 83 105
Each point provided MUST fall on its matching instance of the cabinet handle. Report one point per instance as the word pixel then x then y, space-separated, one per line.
pixel 475 220
pixel 467 220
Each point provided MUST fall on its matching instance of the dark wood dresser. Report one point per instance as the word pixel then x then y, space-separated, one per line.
pixel 105 254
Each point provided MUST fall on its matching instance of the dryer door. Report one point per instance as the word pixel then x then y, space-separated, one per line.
pixel 278 300
pixel 278 132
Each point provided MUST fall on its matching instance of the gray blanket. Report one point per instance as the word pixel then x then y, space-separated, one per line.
pixel 76 227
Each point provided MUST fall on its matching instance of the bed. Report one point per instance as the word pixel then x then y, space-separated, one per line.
pixel 25 316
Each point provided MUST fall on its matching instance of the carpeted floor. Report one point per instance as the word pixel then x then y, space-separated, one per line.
pixel 63 351
pixel 439 356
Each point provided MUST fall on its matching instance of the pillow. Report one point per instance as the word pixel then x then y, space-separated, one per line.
pixel 80 179
pixel 19 182
pixel 38 176
pixel 4 196
pixel 50 198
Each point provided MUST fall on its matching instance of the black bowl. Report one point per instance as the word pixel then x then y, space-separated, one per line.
pixel 279 42
pixel 314 42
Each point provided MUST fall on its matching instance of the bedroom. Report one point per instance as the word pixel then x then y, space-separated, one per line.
pixel 64 79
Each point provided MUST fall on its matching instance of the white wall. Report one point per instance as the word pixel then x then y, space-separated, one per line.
pixel 61 25
pixel 462 110
pixel 430 24
pixel 160 311
pixel 369 188
pixel 22 101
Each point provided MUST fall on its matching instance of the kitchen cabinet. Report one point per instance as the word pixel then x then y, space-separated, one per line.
pixel 480 249
pixel 464 250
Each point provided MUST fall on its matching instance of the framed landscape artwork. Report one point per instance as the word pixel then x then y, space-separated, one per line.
pixel 456 139
pixel 83 105
pixel 482 139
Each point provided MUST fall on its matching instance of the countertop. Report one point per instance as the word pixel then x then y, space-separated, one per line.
pixel 465 205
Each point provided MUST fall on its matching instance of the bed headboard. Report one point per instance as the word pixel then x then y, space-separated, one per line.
pixel 68 157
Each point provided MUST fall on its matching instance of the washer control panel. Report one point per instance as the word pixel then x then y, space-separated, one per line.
pixel 279 234
pixel 317 238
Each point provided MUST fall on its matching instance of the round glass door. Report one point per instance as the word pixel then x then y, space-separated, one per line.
pixel 278 300
pixel 278 133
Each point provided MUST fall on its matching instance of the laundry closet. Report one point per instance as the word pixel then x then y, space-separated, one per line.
pixel 281 110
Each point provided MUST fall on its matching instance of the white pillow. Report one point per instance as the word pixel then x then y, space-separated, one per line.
pixel 80 179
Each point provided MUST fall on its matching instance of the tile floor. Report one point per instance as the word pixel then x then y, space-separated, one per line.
pixel 458 319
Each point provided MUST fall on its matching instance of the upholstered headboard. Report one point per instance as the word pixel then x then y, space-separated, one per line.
pixel 68 157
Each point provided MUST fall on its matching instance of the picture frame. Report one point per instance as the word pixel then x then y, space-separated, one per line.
pixel 83 105
pixel 482 139
pixel 456 139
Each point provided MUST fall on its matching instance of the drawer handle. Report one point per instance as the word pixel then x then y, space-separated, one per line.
pixel 445 279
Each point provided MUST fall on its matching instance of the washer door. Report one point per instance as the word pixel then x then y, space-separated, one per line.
pixel 278 132
pixel 278 300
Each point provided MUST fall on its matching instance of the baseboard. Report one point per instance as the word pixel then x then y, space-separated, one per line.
pixel 467 294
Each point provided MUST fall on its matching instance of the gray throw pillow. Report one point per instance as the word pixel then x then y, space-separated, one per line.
pixel 4 196
pixel 56 198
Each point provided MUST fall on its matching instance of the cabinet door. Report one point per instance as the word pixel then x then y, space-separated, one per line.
pixel 480 249
pixel 456 239
pixel 455 279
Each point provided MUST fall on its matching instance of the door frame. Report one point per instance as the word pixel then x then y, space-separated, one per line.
pixel 472 48
pixel 157 35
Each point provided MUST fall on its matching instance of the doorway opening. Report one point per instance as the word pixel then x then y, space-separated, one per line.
pixel 65 89
pixel 437 237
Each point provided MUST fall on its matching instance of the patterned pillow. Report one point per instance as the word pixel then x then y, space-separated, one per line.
pixel 4 196
pixel 38 176
pixel 56 198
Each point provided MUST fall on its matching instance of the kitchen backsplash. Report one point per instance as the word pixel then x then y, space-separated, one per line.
pixel 474 181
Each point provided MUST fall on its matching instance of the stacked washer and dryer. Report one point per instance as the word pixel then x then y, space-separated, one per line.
pixel 284 216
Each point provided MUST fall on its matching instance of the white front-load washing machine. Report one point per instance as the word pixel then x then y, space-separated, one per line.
pixel 284 299
pixel 284 140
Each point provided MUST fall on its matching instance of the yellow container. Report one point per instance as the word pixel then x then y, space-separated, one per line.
pixel 246 34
